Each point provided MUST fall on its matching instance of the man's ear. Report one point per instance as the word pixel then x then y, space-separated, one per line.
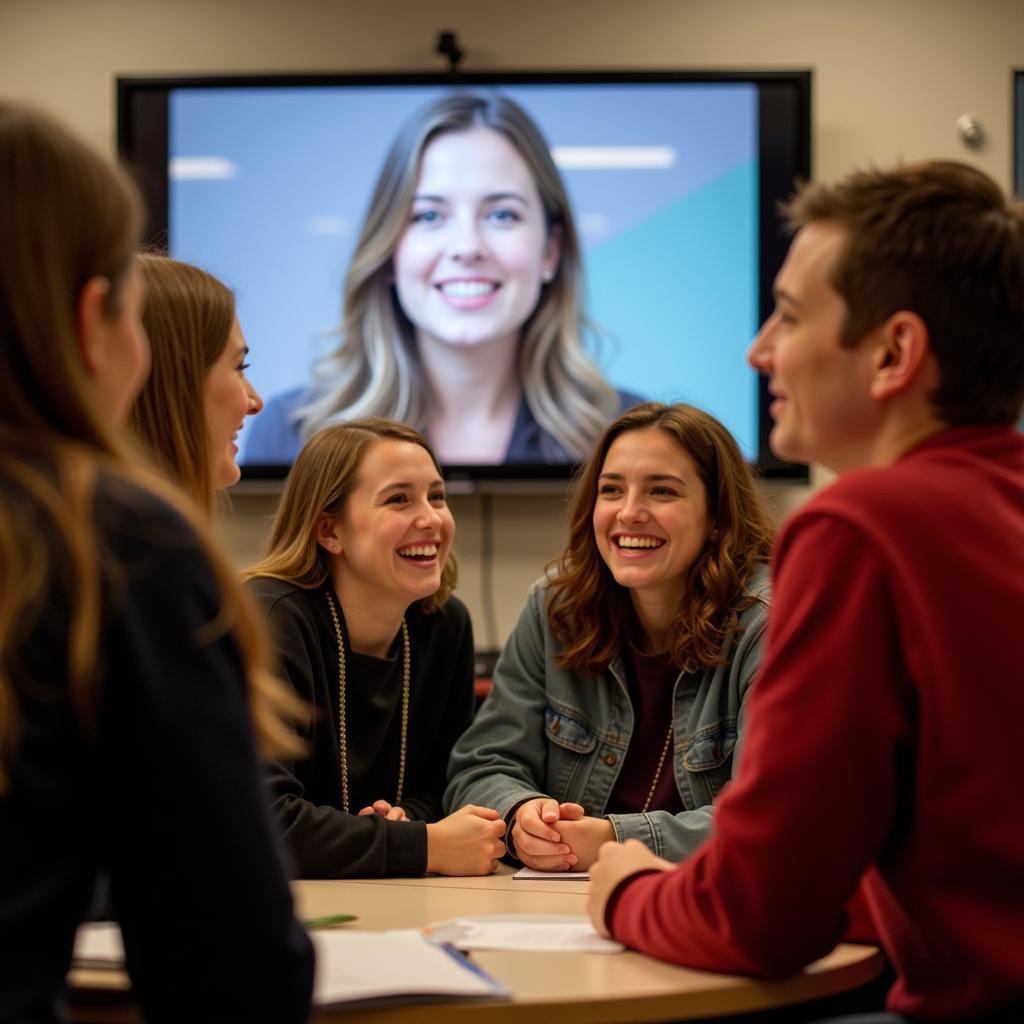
pixel 901 354
pixel 91 321
pixel 328 533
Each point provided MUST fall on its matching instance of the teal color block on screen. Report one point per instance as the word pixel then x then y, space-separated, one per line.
pixel 673 288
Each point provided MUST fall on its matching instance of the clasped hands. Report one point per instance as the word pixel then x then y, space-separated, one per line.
pixel 549 836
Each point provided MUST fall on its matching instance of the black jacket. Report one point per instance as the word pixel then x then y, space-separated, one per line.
pixel 324 841
pixel 157 784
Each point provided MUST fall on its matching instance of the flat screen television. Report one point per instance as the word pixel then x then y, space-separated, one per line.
pixel 672 177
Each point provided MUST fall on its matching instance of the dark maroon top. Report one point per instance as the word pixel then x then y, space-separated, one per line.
pixel 651 678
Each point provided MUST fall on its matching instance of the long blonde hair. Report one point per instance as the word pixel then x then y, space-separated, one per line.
pixel 66 217
pixel 375 371
pixel 321 480
pixel 188 317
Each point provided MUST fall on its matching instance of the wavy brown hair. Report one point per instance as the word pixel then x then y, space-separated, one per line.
pixel 321 481
pixel 67 216
pixel 589 613
pixel 188 317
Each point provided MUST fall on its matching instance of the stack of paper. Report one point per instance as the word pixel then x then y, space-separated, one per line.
pixel 547 933
pixel 352 967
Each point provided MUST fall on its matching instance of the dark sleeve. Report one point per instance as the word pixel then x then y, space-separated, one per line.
pixel 449 683
pixel 198 884
pixel 760 897
pixel 324 841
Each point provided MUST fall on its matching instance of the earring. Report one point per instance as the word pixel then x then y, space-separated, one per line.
pixel 548 276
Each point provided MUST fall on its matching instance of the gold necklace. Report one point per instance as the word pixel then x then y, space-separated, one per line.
pixel 342 734
pixel 657 771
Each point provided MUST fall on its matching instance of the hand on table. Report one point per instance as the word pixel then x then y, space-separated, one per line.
pixel 616 861
pixel 536 834
pixel 385 810
pixel 467 842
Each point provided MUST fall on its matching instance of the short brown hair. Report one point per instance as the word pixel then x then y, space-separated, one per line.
pixel 322 480
pixel 941 240
pixel 188 316
pixel 588 611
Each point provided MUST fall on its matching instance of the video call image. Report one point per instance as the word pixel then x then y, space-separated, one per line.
pixel 269 187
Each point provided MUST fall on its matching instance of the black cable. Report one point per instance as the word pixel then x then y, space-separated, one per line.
pixel 487 570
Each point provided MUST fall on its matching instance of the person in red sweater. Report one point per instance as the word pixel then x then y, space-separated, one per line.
pixel 883 753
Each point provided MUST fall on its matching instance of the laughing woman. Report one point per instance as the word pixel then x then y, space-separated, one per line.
pixel 357 585
pixel 618 702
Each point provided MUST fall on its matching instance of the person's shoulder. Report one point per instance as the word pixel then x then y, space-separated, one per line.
pixel 758 587
pixel 275 594
pixel 450 619
pixel 134 520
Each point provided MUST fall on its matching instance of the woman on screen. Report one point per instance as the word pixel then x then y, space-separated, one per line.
pixel 192 407
pixel 619 700
pixel 462 304
pixel 131 670
pixel 357 585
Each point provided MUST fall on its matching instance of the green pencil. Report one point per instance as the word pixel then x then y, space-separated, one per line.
pixel 329 921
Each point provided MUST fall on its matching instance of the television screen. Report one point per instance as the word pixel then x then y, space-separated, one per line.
pixel 649 284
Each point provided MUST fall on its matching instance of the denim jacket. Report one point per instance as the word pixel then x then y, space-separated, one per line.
pixel 548 731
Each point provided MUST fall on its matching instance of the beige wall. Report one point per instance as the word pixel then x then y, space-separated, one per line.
pixel 890 79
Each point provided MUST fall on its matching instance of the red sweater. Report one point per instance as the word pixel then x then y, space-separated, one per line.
pixel 885 742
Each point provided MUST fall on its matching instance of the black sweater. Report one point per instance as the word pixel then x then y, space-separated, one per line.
pixel 325 842
pixel 159 785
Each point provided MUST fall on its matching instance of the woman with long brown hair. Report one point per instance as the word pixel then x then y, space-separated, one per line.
pixel 618 702
pixel 190 410
pixel 357 583
pixel 131 671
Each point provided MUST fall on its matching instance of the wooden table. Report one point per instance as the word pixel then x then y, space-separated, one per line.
pixel 568 987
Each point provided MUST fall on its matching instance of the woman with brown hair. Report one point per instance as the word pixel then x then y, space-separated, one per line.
pixel 190 410
pixel 131 671
pixel 357 584
pixel 618 702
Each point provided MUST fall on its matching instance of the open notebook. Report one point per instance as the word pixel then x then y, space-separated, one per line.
pixel 352 967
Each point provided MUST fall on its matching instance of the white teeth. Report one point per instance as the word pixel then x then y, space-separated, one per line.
pixel 419 551
pixel 639 542
pixel 467 289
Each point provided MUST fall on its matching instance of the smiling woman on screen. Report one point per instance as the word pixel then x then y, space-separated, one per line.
pixel 462 304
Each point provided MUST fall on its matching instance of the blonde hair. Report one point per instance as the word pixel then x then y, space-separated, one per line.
pixel 375 371
pixel 68 216
pixel 188 317
pixel 322 480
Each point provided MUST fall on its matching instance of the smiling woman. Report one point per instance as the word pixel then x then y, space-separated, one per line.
pixel 199 355
pixel 619 702
pixel 462 309
pixel 357 585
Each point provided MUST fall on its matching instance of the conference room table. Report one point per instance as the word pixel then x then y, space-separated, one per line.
pixel 567 987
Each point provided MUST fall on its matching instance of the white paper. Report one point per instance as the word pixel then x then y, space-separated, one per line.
pixel 547 933
pixel 353 966
pixel 98 944
pixel 554 876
